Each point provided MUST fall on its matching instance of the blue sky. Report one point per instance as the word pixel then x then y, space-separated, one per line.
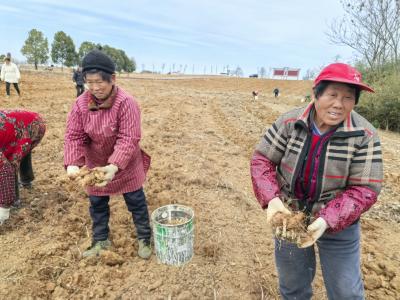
pixel 245 33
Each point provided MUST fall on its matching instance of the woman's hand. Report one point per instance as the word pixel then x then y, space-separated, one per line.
pixel 109 174
pixel 72 171
pixel 4 214
pixel 274 206
pixel 316 229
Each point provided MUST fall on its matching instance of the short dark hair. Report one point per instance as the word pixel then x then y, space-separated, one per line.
pixel 322 85
pixel 104 75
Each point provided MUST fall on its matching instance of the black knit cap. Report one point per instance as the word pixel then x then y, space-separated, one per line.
pixel 97 59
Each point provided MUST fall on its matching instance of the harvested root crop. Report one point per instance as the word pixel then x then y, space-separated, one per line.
pixel 291 228
pixel 89 177
pixel 175 221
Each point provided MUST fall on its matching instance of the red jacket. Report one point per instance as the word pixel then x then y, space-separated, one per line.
pixel 20 132
pixel 107 136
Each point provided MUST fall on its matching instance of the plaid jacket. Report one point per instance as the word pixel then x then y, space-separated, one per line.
pixel 352 158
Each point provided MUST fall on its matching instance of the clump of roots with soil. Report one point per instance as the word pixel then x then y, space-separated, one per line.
pixel 89 177
pixel 291 228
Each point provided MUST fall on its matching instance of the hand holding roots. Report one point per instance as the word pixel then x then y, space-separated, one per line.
pixel 291 228
pixel 89 177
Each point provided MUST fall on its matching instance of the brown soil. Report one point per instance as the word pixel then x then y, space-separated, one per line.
pixel 200 133
pixel 175 221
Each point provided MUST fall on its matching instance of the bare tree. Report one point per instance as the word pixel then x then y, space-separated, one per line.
pixel 310 74
pixel 262 72
pixel 337 58
pixel 371 28
pixel 238 72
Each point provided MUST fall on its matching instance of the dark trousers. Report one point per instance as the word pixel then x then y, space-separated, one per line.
pixel 8 84
pixel 339 255
pixel 79 90
pixel 137 205
pixel 26 175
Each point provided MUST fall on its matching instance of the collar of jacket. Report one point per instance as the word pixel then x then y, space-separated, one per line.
pixel 95 104
pixel 347 128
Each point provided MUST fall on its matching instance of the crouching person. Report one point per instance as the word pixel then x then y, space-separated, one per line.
pixel 103 131
pixel 20 132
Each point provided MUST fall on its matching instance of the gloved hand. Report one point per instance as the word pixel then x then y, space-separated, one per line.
pixel 274 206
pixel 72 171
pixel 110 171
pixel 4 214
pixel 316 229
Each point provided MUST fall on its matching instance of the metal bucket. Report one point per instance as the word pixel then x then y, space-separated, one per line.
pixel 173 233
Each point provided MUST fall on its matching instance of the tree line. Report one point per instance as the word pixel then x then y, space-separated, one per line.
pixel 63 51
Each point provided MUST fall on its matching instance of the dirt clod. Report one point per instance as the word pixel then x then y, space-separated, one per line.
pixel 111 258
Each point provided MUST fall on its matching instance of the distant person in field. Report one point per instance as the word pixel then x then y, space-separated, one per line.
pixel 276 92
pixel 103 132
pixel 77 77
pixel 325 160
pixel 10 74
pixel 255 94
pixel 20 132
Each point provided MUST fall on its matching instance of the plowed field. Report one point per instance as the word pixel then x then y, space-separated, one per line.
pixel 200 133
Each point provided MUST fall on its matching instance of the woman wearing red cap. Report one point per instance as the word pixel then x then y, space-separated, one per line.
pixel 326 160
pixel 20 132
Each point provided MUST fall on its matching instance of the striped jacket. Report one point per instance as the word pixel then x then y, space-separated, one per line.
pixel 107 136
pixel 350 165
